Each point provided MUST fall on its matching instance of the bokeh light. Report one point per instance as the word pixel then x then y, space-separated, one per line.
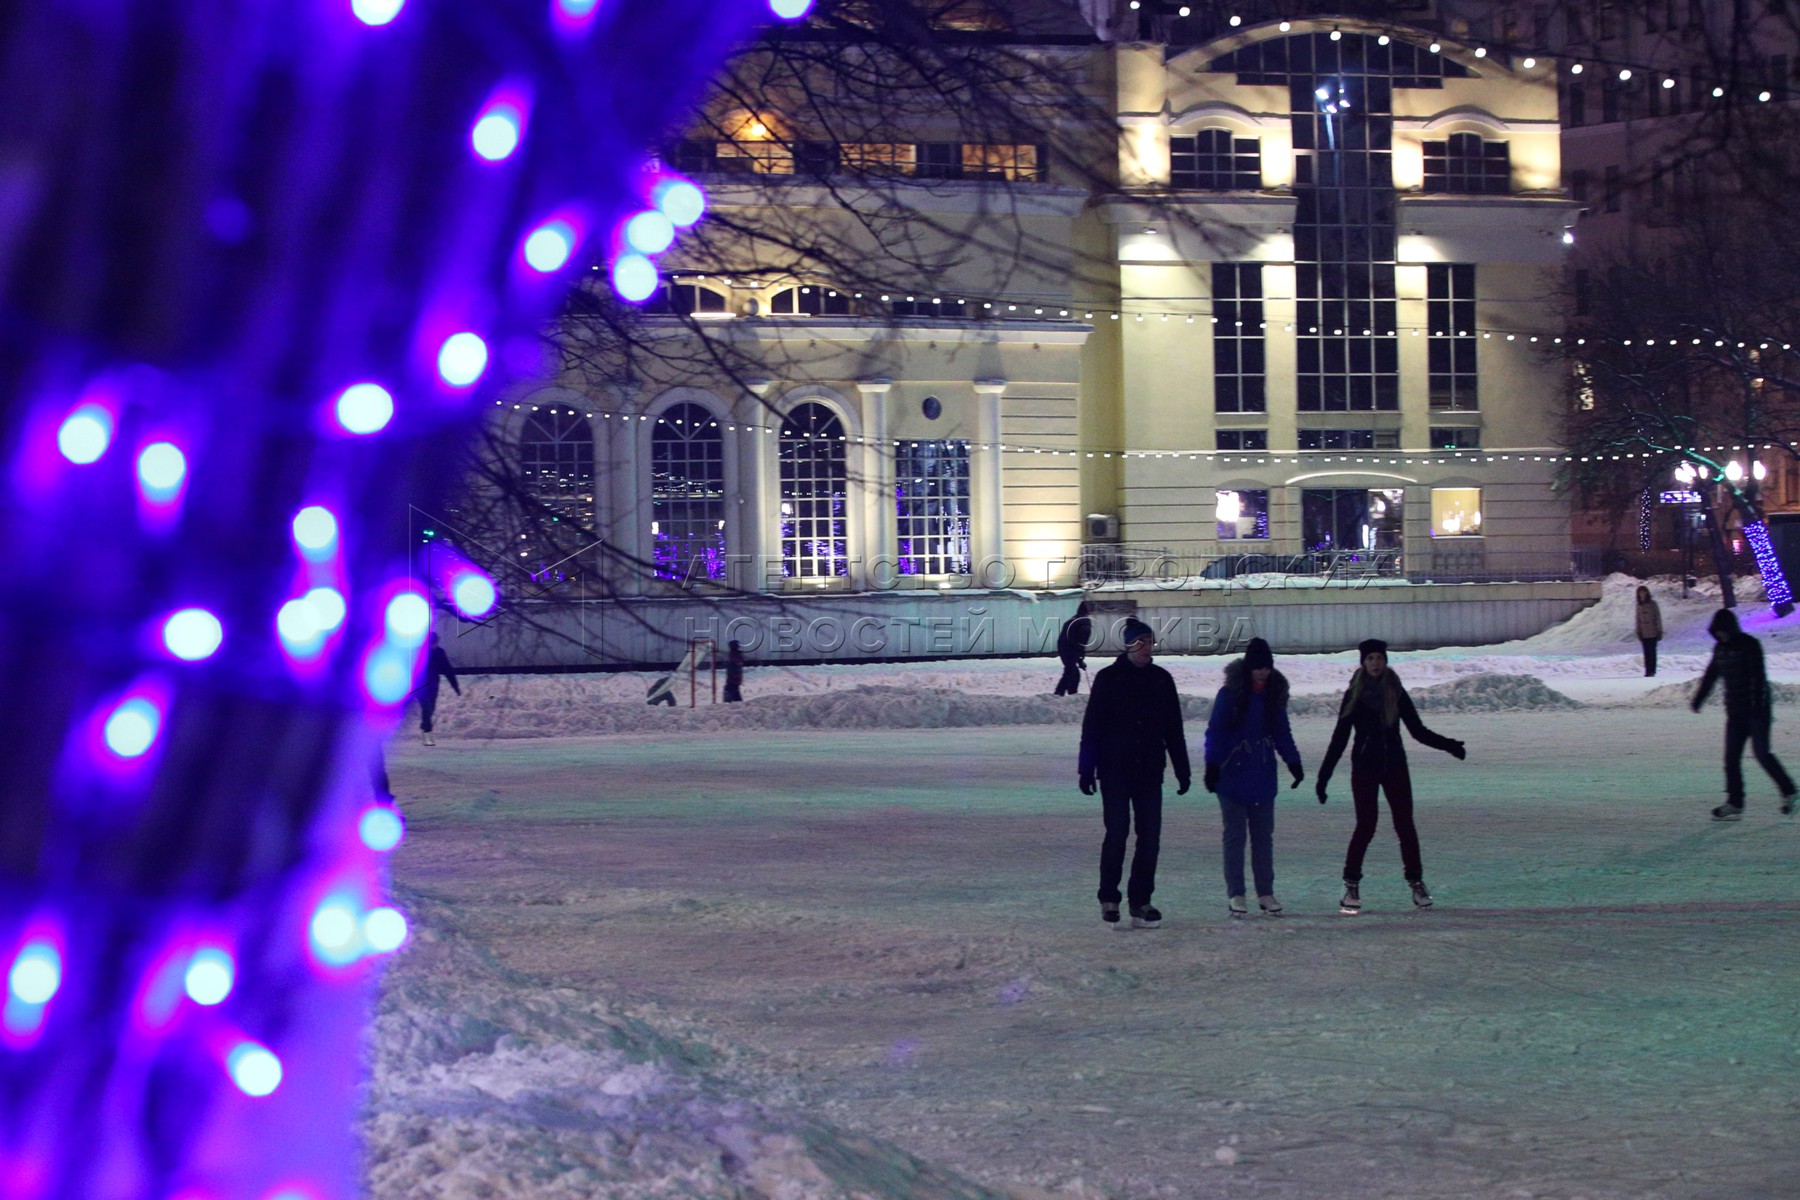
pixel 473 593
pixel 364 408
pixel 210 976
pixel 335 933
pixel 132 727
pixel 790 10
pixel 408 617
pixel 328 607
pixel 384 929
pixel 36 973
pixel 192 634
pixel 496 132
pixel 649 232
pixel 254 1068
pixel 85 434
pixel 634 277
pixel 680 201
pixel 381 827
pixel 316 531
pixel 376 12
pixel 388 671
pixel 548 247
pixel 461 359
pixel 161 467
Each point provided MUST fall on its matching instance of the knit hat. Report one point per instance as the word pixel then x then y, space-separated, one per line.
pixel 1133 630
pixel 1257 654
pixel 1370 646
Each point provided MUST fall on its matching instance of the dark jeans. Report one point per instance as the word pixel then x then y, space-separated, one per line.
pixel 1070 683
pixel 1258 820
pixel 1122 801
pixel 1649 655
pixel 1752 728
pixel 733 694
pixel 427 708
pixel 1364 782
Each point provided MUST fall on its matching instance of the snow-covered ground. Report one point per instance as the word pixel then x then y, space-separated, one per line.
pixel 840 942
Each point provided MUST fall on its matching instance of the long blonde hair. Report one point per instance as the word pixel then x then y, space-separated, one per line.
pixel 1390 695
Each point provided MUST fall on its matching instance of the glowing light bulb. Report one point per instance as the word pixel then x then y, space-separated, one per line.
pixel 315 531
pixel 496 133
pixel 548 247
pixel 408 617
pixel 473 594
pixel 85 434
pixel 254 1068
pixel 210 976
pixel 160 468
pixel 1568 237
pixel 649 232
pixel 1529 63
pixel 1284 26
pixel 384 929
pixel 1575 69
pixel 364 408
pixel 634 277
pixel 1734 470
pixel 132 727
pixel 462 359
pixel 1236 21
pixel 1668 83
pixel 36 974
pixel 1624 74
pixel 680 201
pixel 380 827
pixel 1481 52
pixel 1383 40
pixel 1758 470
pixel 1434 47
pixel 376 12
pixel 192 634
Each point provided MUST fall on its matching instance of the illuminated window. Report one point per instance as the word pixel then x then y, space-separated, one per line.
pixel 1467 165
pixel 809 301
pixel 1238 357
pixel 684 298
pixel 1017 163
pixel 687 495
pixel 1214 160
pixel 878 158
pixel 1455 512
pixel 1351 520
pixel 814 494
pixel 556 470
pixel 931 489
pixel 1241 515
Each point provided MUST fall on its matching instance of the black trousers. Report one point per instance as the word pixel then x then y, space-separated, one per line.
pixel 428 698
pixel 1123 801
pixel 1649 655
pixel 1752 728
pixel 1365 784
pixel 1070 683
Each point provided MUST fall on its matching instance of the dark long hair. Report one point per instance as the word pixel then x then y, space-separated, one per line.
pixel 1390 695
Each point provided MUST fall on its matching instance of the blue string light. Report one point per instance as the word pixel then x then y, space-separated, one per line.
pixel 1775 584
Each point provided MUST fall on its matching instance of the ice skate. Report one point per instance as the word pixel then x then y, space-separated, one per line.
pixel 1270 905
pixel 1787 805
pixel 1352 901
pixel 1147 917
pixel 429 740
pixel 1421 897
pixel 1735 812
pixel 1109 912
pixel 1236 906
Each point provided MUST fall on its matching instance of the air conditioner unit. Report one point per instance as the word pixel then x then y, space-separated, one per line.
pixel 1102 527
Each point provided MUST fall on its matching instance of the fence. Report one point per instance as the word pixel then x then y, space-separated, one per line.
pixel 1460 561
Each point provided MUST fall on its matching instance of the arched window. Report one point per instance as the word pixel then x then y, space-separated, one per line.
pixel 556 470
pixel 675 296
pixel 687 495
pixel 814 487
pixel 809 300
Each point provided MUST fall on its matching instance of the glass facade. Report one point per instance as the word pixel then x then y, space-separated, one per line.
pixel 931 505
pixel 814 494
pixel 687 495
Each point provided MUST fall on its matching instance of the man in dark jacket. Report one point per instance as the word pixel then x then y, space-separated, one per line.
pixel 1738 660
pixel 1133 721
pixel 1071 647
pixel 437 666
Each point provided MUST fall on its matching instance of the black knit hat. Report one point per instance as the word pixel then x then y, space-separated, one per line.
pixel 1134 629
pixel 1370 646
pixel 1257 654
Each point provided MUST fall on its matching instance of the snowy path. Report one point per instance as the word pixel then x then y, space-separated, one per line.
pixel 894 934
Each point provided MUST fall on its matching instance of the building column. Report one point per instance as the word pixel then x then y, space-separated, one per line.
pixel 986 524
pixel 750 529
pixel 630 504
pixel 873 560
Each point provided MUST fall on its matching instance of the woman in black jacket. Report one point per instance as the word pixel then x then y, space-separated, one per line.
pixel 1375 707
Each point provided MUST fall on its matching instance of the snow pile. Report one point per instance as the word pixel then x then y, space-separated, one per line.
pixel 1490 693
pixel 486 1086
pixel 1677 695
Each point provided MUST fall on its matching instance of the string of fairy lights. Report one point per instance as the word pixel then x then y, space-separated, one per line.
pixel 1390 457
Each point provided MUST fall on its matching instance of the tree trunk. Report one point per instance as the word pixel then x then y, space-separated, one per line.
pixel 1715 538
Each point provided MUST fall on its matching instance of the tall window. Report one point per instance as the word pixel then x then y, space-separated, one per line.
pixel 556 467
pixel 1214 160
pixel 931 497
pixel 1351 520
pixel 1465 164
pixel 687 495
pixel 1238 362
pixel 809 300
pixel 814 494
pixel 1450 320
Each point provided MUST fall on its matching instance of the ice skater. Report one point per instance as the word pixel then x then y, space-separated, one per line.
pixel 1649 628
pixel 1247 730
pixel 1131 727
pixel 1737 658
pixel 1071 647
pixel 1375 706
pixel 437 666
pixel 734 672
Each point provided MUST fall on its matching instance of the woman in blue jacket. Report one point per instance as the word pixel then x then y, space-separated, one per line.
pixel 1247 730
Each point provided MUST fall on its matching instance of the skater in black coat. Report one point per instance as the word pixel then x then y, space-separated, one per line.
pixel 437 666
pixel 1071 647
pixel 1375 706
pixel 1737 658
pixel 734 672
pixel 1131 727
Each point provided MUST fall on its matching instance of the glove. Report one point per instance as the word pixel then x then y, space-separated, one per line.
pixel 1087 785
pixel 1319 790
pixel 1211 778
pixel 1459 750
pixel 1299 774
pixel 1183 784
